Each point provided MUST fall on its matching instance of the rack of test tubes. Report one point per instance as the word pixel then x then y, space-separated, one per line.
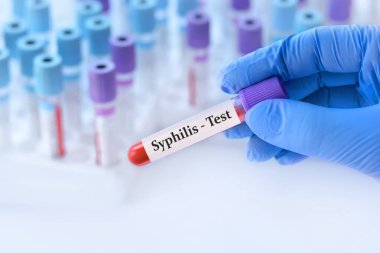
pixel 82 80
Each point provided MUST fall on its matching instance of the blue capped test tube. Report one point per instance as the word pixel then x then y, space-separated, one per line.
pixel 145 33
pixel 4 100
pixel 98 29
pixel 307 18
pixel 49 88
pixel 283 16
pixel 85 10
pixel 184 7
pixel 12 32
pixel 18 8
pixel 29 47
pixel 39 18
pixel 69 49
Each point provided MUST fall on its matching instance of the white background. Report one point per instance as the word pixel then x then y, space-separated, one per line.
pixel 208 198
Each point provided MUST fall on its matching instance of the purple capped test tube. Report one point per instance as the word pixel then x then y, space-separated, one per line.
pixel 124 57
pixel 103 95
pixel 198 41
pixel 339 11
pixel 250 35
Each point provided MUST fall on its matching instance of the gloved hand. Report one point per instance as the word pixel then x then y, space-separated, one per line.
pixel 335 72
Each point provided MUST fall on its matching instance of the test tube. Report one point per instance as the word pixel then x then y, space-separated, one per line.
pixel 103 95
pixel 99 32
pixel 239 9
pixel 250 35
pixel 38 18
pixel 144 27
pixel 49 88
pixel 12 32
pixel 206 124
pixel 18 8
pixel 184 7
pixel 198 41
pixel 85 10
pixel 283 15
pixel 69 48
pixel 306 19
pixel 105 5
pixel 4 100
pixel 123 56
pixel 29 47
pixel 339 11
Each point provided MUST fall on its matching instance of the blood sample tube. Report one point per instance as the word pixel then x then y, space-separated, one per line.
pixel 12 32
pixel 206 124
pixel 198 41
pixel 103 95
pixel 38 17
pixel 69 48
pixel 339 11
pixel 85 10
pixel 49 88
pixel 250 35
pixel 4 100
pixel 123 56
pixel 29 47
pixel 283 15
pixel 306 19
pixel 99 32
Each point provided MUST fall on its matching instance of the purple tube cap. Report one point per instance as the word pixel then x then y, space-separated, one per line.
pixel 250 36
pixel 339 10
pixel 102 82
pixel 268 89
pixel 198 30
pixel 240 4
pixel 123 53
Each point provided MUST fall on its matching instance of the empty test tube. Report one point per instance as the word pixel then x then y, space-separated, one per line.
pixel 250 35
pixel 99 32
pixel 13 31
pixel 49 88
pixel 4 100
pixel 69 48
pixel 144 27
pixel 283 15
pixel 29 47
pixel 85 10
pixel 123 56
pixel 103 95
pixel 306 19
pixel 339 11
pixel 198 41
pixel 38 18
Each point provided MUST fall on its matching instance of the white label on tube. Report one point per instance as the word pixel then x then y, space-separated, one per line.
pixel 106 146
pixel 185 133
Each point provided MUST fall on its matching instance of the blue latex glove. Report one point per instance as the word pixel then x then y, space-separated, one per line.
pixel 335 71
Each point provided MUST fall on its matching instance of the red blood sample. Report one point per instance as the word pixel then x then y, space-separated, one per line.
pixel 137 154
